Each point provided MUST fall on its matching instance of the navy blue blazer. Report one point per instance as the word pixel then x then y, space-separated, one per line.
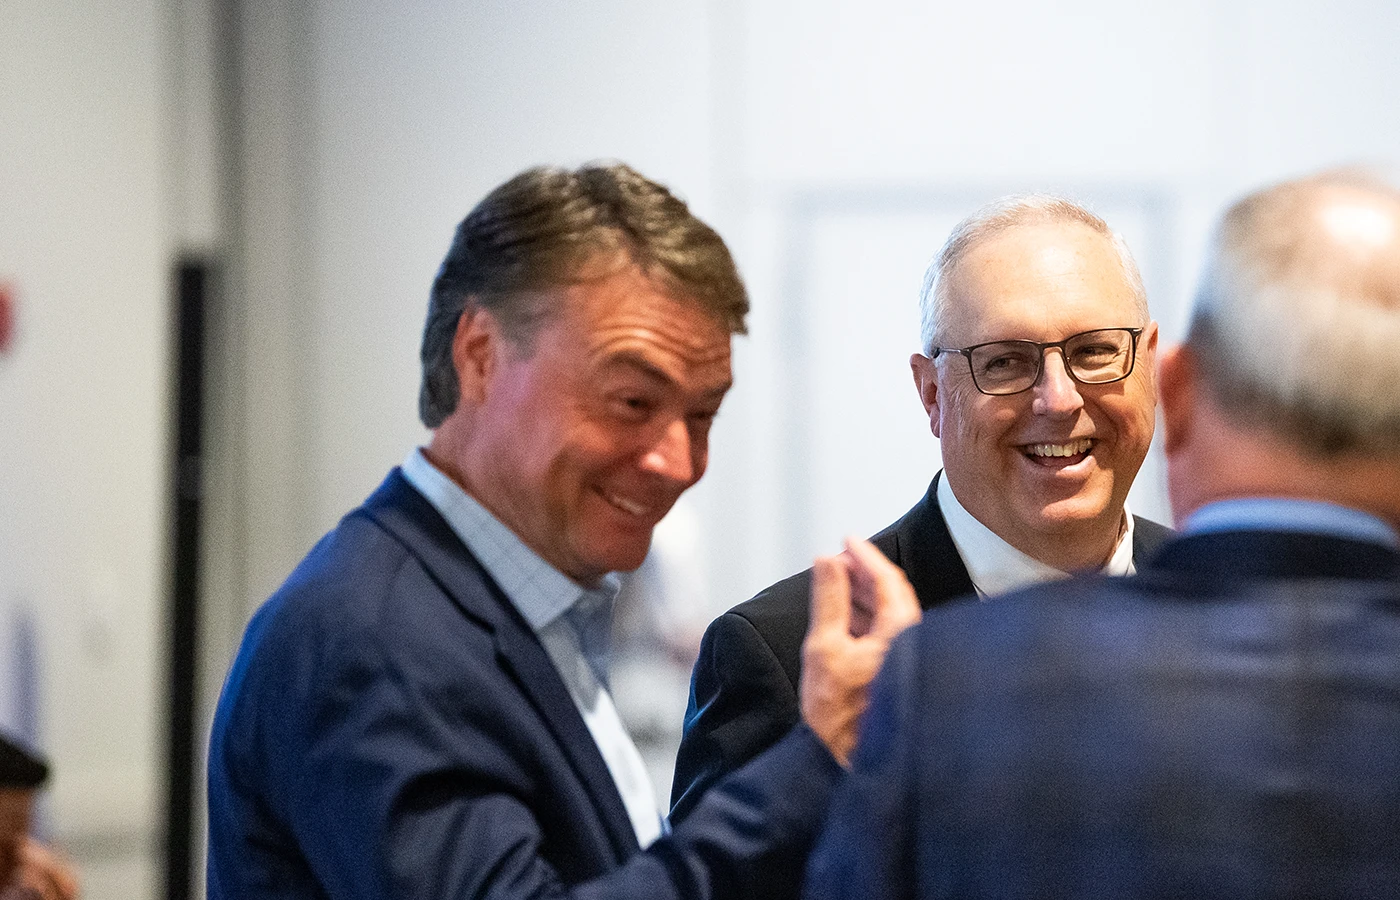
pixel 391 727
pixel 743 691
pixel 1224 725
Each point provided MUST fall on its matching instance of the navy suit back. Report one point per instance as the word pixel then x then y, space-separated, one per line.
pixel 1227 724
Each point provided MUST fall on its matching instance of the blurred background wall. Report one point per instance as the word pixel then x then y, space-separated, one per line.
pixel 316 155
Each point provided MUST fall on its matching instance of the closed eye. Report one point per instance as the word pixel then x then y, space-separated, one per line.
pixel 633 407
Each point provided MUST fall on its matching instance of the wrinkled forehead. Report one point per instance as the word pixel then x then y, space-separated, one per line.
pixel 1042 281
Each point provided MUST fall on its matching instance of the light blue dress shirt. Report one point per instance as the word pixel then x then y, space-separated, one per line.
pixel 1286 514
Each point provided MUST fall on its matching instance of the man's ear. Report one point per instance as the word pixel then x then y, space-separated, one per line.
pixel 1176 386
pixel 476 350
pixel 1147 344
pixel 926 381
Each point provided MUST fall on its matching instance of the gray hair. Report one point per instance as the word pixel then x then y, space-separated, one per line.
pixel 993 219
pixel 1292 334
pixel 549 227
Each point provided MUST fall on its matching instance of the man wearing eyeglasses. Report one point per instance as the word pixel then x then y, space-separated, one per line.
pixel 1037 376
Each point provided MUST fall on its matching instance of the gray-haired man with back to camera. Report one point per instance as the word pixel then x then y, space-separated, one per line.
pixel 1037 377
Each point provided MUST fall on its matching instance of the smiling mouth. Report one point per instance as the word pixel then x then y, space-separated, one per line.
pixel 1058 454
pixel 626 504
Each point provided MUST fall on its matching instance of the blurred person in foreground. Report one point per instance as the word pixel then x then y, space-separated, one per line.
pixel 29 870
pixel 1224 724
pixel 423 708
pixel 1037 377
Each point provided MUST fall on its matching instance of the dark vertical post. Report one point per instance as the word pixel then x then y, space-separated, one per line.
pixel 192 284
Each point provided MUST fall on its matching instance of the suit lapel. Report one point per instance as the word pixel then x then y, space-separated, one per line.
pixel 405 513
pixel 520 653
pixel 1147 537
pixel 920 544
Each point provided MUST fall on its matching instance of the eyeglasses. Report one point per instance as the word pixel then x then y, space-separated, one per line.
pixel 1010 367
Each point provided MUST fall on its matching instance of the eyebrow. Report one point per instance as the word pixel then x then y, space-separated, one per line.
pixel 652 372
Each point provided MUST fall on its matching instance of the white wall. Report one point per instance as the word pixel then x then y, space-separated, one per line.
pixel 84 236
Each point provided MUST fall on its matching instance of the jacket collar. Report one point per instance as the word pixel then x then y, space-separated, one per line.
pixel 921 545
pixel 1276 554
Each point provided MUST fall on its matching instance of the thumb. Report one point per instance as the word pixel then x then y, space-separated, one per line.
pixel 895 605
pixel 831 595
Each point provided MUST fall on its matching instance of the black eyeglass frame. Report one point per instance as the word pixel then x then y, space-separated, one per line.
pixel 1042 346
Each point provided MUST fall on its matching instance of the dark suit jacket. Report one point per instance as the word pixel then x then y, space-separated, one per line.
pixel 743 692
pixel 391 727
pixel 1224 725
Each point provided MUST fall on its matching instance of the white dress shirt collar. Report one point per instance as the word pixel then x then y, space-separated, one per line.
pixel 538 590
pixel 997 567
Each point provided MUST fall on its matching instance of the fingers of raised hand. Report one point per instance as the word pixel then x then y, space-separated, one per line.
pixel 831 595
pixel 881 588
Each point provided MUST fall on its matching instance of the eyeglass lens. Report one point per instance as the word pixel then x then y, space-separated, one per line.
pixel 1094 357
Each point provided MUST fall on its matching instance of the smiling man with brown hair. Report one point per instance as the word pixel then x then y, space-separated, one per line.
pixel 423 709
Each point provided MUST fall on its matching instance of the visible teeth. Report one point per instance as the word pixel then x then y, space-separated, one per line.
pixel 1072 449
pixel 628 506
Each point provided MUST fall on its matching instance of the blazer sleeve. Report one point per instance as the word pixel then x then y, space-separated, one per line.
pixel 470 834
pixel 742 701
pixel 341 770
pixel 869 846
pixel 455 832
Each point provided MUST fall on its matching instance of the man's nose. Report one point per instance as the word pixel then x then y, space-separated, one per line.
pixel 1055 391
pixel 672 455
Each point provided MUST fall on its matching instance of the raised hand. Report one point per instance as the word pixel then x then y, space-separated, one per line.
pixel 860 602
